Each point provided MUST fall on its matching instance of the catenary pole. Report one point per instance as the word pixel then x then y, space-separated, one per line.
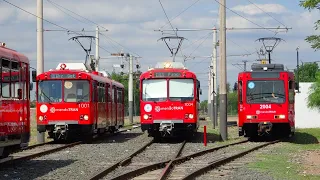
pixel 40 59
pixel 223 73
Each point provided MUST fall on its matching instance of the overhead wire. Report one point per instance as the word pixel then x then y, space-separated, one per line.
pixel 56 4
pixel 167 18
pixel 243 17
pixel 180 13
pixel 266 13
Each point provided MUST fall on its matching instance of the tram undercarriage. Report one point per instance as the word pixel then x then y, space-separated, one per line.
pixel 265 129
pixel 169 129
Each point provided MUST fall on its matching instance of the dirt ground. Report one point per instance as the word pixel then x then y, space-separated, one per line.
pixel 311 162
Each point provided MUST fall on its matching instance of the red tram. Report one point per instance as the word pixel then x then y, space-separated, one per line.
pixel 169 100
pixel 266 98
pixel 73 102
pixel 14 101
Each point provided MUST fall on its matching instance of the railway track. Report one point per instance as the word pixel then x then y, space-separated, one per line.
pixel 47 148
pixel 185 167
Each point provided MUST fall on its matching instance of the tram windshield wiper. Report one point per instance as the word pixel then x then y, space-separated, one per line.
pixel 45 95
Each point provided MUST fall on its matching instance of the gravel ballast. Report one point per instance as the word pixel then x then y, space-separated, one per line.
pixel 78 162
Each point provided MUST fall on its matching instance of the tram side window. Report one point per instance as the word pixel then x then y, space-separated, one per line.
pixel 240 92
pixel 114 100
pixel 109 94
pixel 119 96
pixel 5 76
pixel 101 90
pixel 291 91
pixel 15 78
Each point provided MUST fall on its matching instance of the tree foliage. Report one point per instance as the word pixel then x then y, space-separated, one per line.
pixel 314 40
pixel 307 72
pixel 124 79
pixel 314 96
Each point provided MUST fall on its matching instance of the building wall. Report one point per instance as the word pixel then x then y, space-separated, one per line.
pixel 305 117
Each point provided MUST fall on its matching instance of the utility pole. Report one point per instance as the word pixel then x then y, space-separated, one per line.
pixel 209 94
pixel 298 68
pixel 245 65
pixel 223 71
pixel 214 79
pixel 40 65
pixel 97 49
pixel 130 89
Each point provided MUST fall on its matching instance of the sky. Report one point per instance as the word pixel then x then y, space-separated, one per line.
pixel 131 28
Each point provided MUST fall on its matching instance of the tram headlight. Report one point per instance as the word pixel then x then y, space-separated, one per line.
pixel 40 118
pixel 249 117
pixel 190 116
pixel 145 116
pixel 86 117
pixel 282 116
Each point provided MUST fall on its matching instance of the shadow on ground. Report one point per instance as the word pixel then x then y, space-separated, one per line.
pixel 32 169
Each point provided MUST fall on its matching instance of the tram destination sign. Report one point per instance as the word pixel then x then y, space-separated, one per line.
pixel 63 76
pixel 167 74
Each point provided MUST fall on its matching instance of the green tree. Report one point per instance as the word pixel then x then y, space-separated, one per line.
pixel 314 40
pixel 204 105
pixel 314 96
pixel 307 72
pixel 232 103
pixel 124 79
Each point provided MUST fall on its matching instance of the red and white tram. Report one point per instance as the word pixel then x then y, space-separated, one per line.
pixel 73 101
pixel 169 100
pixel 14 101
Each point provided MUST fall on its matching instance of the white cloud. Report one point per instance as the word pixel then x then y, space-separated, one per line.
pixel 253 10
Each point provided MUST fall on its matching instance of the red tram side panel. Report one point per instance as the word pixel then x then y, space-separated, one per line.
pixel 266 101
pixel 169 100
pixel 73 102
pixel 14 100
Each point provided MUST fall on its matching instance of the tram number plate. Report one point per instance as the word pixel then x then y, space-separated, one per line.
pixel 265 106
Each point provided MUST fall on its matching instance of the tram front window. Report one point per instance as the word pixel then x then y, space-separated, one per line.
pixel 50 91
pixel 76 91
pixel 265 92
pixel 181 89
pixel 154 90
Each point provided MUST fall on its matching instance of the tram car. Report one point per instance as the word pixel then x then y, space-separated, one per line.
pixel 266 98
pixel 14 101
pixel 169 100
pixel 73 101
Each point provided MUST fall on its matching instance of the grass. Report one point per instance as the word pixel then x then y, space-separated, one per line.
pixel 283 162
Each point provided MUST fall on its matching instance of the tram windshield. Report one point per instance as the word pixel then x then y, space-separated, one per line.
pixel 181 89
pixel 74 91
pixel 265 92
pixel 154 90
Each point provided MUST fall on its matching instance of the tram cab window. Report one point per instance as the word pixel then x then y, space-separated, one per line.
pixel 181 90
pixel 76 91
pixel 50 91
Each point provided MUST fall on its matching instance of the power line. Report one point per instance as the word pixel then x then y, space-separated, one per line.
pixel 77 14
pixel 55 4
pixel 266 13
pixel 49 22
pixel 180 13
pixel 167 17
pixel 243 16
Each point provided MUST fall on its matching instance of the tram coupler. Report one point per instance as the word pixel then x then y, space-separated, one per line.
pixel 264 128
pixel 60 130
pixel 166 127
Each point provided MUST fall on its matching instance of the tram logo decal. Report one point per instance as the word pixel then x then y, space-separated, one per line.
pixel 53 110
pixel 168 108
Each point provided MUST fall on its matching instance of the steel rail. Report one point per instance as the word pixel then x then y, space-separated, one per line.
pixel 22 158
pixel 12 160
pixel 224 160
pixel 104 172
pixel 162 164
pixel 169 166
